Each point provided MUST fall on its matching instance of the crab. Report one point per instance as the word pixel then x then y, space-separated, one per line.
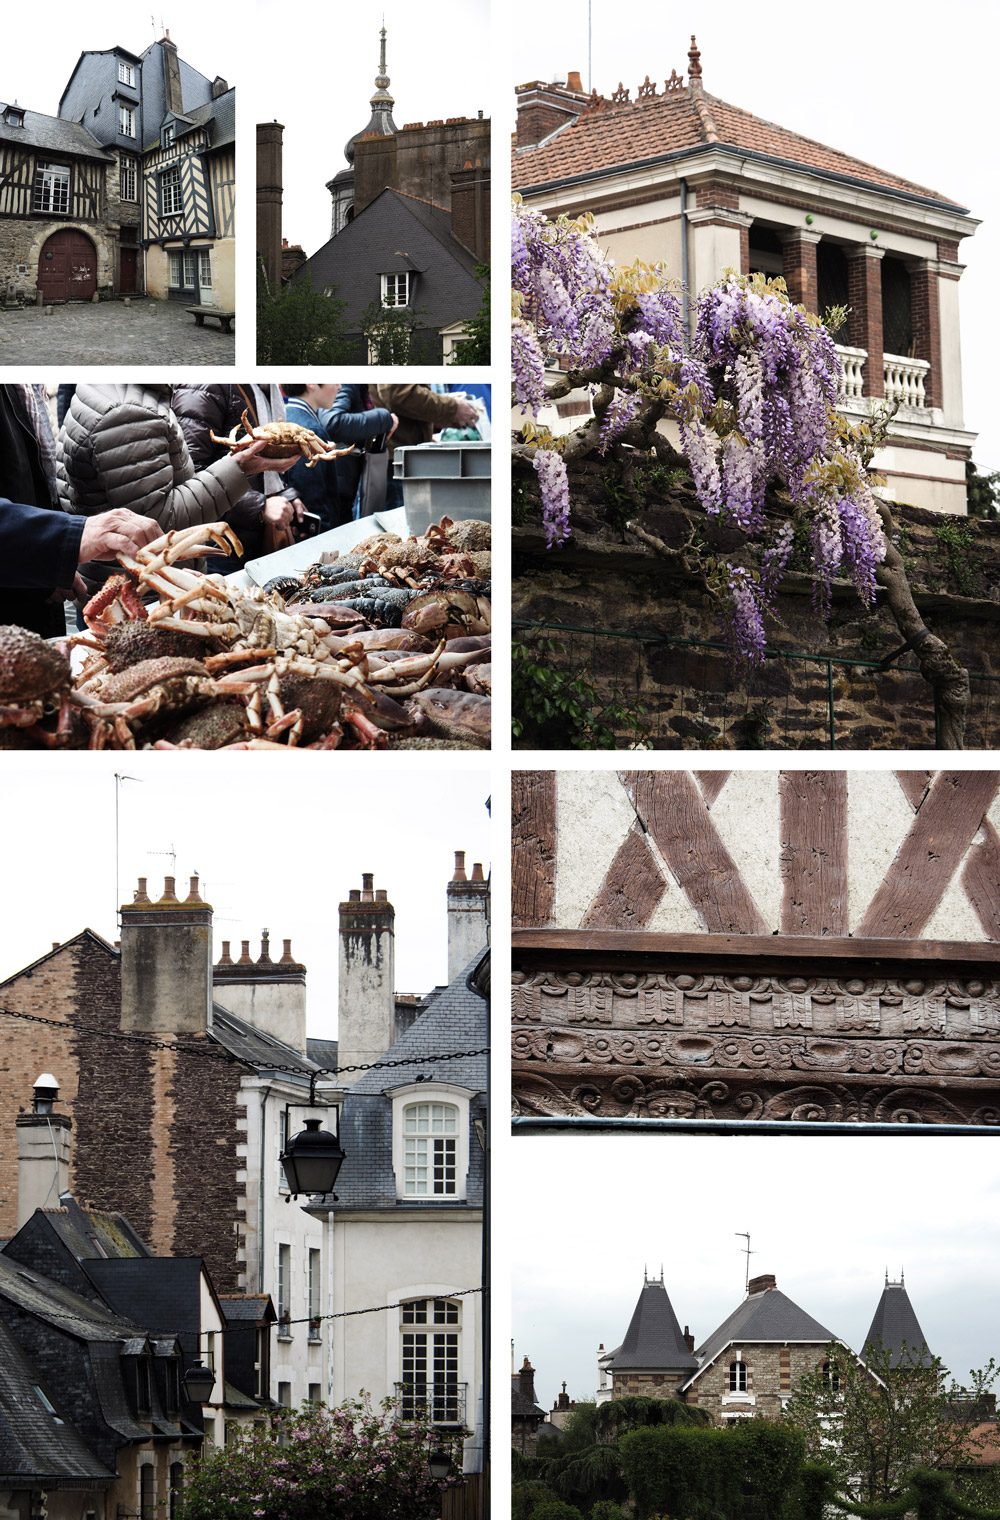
pixel 34 680
pixel 136 694
pixel 284 440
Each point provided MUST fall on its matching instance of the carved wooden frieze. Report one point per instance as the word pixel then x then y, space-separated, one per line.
pixel 808 1043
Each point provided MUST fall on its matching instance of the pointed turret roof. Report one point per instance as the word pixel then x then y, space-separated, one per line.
pixel 381 123
pixel 766 1314
pixel 895 1324
pixel 653 1341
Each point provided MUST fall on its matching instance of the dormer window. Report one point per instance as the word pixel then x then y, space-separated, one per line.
pixel 396 289
pixel 126 73
pixel 126 121
pixel 14 116
pixel 168 134
pixel 430 1142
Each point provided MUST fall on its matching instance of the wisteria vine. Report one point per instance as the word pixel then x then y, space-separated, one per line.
pixel 753 392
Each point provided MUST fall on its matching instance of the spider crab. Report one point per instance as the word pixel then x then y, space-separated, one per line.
pixel 34 681
pixel 284 440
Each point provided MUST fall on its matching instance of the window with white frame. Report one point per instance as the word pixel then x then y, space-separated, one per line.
pixel 52 188
pixel 396 289
pixel 315 1292
pixel 738 1376
pixel 430 1141
pixel 183 272
pixel 168 135
pixel 430 1144
pixel 128 179
pixel 430 1389
pixel 205 270
pixel 210 1349
pixel 126 73
pixel 126 120
pixel 171 198
pixel 284 1289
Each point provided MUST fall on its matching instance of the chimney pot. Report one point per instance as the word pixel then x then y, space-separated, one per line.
pixel 244 959
pixel 193 894
pixel 381 894
pixel 367 881
pixel 287 953
pixel 459 866
pixel 55 944
pixel 477 872
pixel 225 959
pixel 355 894
pixel 140 891
pixel 265 948
pixel 169 895
pixel 573 81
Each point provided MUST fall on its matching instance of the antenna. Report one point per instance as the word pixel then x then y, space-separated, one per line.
pixel 590 84
pixel 119 779
pixel 745 1235
pixel 173 858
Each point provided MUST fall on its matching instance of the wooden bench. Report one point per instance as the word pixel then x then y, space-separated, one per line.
pixel 201 312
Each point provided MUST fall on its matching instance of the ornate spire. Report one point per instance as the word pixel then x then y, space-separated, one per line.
pixel 381 123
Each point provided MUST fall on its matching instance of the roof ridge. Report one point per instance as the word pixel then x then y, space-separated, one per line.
pixel 422 199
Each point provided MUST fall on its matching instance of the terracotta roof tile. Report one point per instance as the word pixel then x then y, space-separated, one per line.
pixel 617 134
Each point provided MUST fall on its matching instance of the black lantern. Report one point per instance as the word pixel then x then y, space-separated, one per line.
pixel 439 1465
pixel 198 1381
pixel 312 1159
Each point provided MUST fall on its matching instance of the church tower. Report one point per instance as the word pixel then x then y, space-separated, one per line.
pixel 380 124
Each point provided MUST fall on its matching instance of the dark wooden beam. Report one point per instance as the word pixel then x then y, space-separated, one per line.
pixel 533 846
pixel 630 892
pixel 814 852
pixel 629 945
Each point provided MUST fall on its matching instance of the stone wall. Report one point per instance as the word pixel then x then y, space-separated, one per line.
pixel 773 1373
pixel 605 579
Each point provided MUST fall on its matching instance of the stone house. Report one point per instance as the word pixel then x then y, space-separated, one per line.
pixel 184 1079
pixel 526 1417
pixel 792 946
pixel 680 176
pixel 171 131
pixel 420 196
pixel 59 209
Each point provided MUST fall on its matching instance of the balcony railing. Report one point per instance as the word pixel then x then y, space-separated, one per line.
pixel 438 1403
pixel 905 379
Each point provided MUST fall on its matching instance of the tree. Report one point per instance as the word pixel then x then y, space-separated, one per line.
pixel 300 325
pixel 348 1463
pixel 982 492
pixel 753 393
pixel 873 1422
pixel 391 334
pixel 475 348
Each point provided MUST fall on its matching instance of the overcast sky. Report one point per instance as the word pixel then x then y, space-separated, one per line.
pixel 277 846
pixel 910 91
pixel 825 1216
pixel 35 69
pixel 317 77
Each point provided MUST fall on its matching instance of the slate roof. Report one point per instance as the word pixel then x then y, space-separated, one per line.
pixel 247 1308
pixel 455 1020
pixel 642 131
pixel 254 1046
pixel 223 112
pixel 61 1307
pixel 89 1233
pixel 163 1293
pixel 196 90
pixel 895 1325
pixel 54 136
pixel 767 1316
pixel 34 1443
pixel 394 224
pixel 653 1340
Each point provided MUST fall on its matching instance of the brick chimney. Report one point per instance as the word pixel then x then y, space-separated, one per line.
pixel 541 108
pixel 173 97
pixel 467 903
pixel 167 962
pixel 367 1002
pixel 42 1151
pixel 762 1284
pixel 220 86
pixel 269 189
pixel 470 207
pixel 269 994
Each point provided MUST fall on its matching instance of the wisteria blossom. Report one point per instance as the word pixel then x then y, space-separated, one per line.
pixel 752 391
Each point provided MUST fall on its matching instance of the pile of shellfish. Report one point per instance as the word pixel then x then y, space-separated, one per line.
pixel 388 646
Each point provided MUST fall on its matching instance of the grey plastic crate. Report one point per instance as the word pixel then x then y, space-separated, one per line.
pixel 444 480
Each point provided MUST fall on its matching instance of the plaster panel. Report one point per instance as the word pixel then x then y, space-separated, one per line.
pixel 878 817
pixel 593 816
pixel 746 814
pixel 951 352
pixel 954 917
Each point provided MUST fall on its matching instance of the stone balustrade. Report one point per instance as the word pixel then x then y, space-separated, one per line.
pixel 905 380
pixel 852 372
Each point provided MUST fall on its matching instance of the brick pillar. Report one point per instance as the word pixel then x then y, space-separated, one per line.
pixel 864 290
pixel 925 316
pixel 269 140
pixel 798 251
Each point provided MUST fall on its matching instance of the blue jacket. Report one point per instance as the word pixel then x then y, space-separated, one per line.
pixel 38 547
pixel 347 421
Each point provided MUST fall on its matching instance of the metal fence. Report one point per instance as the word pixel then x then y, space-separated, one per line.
pixel 685 694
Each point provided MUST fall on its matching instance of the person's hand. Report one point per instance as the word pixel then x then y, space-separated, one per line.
pixel 467 415
pixel 278 511
pixel 254 461
pixel 395 425
pixel 298 507
pixel 111 533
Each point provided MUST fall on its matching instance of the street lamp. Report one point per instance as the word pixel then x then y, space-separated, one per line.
pixel 198 1381
pixel 438 1465
pixel 312 1159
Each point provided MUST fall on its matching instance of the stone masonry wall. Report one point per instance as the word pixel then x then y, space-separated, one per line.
pixel 605 579
pixel 773 1373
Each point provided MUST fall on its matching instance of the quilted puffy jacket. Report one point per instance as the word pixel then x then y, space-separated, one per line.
pixel 122 446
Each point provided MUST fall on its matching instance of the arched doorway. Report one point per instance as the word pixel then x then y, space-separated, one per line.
pixel 67 267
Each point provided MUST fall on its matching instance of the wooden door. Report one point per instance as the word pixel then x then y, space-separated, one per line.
pixel 126 279
pixel 67 267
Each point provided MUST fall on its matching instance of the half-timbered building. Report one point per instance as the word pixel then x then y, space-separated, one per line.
pixel 758 945
pixel 59 209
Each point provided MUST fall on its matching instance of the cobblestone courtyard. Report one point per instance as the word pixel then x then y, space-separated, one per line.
pixel 147 332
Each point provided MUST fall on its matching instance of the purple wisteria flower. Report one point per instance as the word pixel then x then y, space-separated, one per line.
pixel 554 483
pixel 624 406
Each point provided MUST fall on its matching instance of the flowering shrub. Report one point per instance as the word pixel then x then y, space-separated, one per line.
pixel 348 1463
pixel 753 393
